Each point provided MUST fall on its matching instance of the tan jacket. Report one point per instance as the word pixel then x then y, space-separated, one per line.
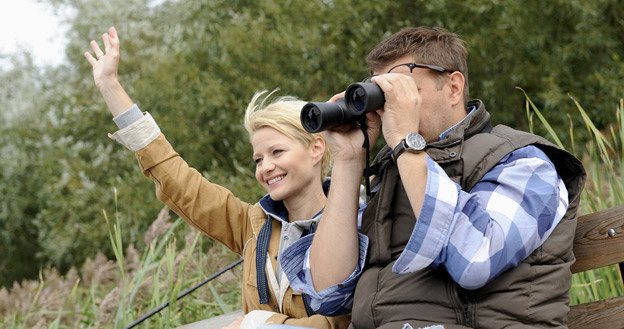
pixel 215 211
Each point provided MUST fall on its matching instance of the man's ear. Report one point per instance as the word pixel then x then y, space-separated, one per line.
pixel 456 87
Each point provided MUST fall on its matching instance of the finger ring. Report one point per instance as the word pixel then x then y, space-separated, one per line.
pixel 99 56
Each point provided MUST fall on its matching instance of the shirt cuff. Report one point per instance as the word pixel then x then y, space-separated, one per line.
pixel 139 134
pixel 334 300
pixel 256 319
pixel 128 117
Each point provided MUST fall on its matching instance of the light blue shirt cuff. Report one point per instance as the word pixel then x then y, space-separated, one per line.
pixel 128 117
pixel 333 300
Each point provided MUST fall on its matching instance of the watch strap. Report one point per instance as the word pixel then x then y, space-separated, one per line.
pixel 399 149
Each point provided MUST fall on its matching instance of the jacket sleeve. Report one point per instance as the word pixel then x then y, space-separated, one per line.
pixel 210 208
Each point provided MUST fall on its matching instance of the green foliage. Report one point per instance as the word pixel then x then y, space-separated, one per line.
pixel 57 172
pixel 194 65
pixel 551 49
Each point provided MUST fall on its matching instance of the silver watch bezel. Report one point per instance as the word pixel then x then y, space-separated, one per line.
pixel 415 142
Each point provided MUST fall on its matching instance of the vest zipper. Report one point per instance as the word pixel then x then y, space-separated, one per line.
pixel 466 303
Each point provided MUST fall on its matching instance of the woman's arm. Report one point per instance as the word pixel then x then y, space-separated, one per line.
pixel 210 208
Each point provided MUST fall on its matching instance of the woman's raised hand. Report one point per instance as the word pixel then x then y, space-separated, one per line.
pixel 105 65
pixel 105 62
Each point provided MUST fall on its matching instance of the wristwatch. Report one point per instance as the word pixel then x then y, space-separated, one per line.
pixel 413 142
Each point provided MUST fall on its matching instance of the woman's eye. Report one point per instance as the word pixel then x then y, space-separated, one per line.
pixel 257 161
pixel 277 152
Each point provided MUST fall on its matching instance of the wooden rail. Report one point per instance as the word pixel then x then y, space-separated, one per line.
pixel 599 242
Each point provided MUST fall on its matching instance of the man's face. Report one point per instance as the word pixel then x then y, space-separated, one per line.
pixel 435 111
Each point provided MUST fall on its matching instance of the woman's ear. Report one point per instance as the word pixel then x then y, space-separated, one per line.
pixel 318 148
pixel 456 88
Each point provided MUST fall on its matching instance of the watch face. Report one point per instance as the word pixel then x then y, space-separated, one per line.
pixel 415 142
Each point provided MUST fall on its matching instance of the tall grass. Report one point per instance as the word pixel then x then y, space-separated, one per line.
pixel 107 293
pixel 114 293
pixel 603 158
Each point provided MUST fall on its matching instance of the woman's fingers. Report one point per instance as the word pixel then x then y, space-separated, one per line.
pixel 96 49
pixel 111 44
pixel 104 63
pixel 106 41
pixel 90 58
pixel 112 33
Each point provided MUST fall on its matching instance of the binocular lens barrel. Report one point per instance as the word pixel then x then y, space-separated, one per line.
pixel 311 117
pixel 360 98
pixel 364 97
pixel 319 116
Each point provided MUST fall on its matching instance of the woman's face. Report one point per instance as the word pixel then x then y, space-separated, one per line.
pixel 284 166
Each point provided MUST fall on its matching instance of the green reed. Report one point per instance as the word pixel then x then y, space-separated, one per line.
pixel 131 286
pixel 603 159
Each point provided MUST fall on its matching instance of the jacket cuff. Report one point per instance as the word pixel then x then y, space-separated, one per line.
pixel 137 135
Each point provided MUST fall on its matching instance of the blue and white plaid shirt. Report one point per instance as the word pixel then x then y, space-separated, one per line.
pixel 474 235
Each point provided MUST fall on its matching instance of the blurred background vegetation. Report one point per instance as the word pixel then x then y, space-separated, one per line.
pixel 194 65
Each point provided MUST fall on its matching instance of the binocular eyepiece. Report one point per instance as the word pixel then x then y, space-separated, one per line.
pixel 360 98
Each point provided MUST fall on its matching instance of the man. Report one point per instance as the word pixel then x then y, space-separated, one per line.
pixel 472 229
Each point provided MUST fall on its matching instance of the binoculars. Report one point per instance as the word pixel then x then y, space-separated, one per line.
pixel 360 98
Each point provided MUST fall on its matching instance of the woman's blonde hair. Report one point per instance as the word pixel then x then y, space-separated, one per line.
pixel 282 114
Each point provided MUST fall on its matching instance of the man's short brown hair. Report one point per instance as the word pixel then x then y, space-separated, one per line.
pixel 428 45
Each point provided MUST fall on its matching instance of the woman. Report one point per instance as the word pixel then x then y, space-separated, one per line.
pixel 290 165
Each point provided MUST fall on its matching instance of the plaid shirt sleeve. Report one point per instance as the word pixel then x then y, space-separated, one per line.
pixel 475 235
pixel 331 301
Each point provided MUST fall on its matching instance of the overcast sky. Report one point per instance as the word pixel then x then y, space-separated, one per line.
pixel 32 25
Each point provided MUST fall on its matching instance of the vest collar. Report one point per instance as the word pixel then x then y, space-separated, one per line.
pixel 449 149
